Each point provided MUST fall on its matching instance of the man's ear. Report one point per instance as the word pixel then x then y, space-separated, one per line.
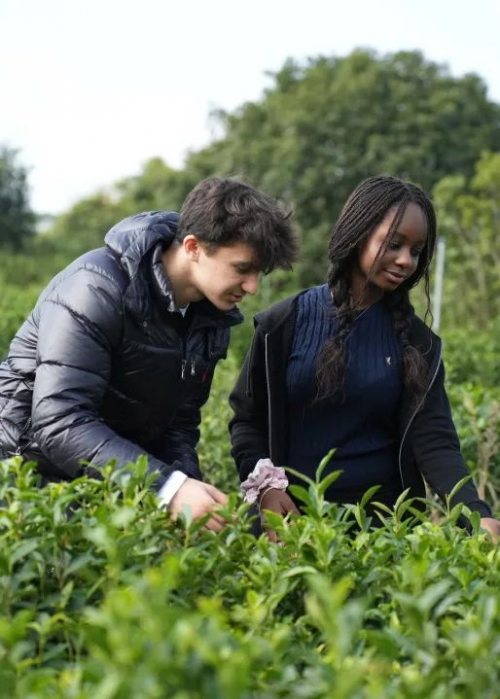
pixel 192 246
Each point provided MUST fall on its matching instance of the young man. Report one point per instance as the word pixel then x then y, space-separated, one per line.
pixel 117 357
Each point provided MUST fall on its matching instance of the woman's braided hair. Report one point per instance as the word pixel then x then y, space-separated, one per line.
pixel 365 209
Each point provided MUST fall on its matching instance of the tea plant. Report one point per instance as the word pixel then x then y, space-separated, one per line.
pixel 102 597
pixel 15 305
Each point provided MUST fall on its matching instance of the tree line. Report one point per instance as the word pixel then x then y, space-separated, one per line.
pixel 320 128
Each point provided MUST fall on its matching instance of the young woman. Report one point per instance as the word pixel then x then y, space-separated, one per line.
pixel 349 366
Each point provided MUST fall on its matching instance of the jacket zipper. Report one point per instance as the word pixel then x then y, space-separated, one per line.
pixel 413 417
pixel 184 358
pixel 192 362
pixel 26 428
pixel 250 363
pixel 269 411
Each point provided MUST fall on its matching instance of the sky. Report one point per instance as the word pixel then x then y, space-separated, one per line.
pixel 90 90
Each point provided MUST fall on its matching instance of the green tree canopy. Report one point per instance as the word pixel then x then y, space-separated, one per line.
pixel 324 126
pixel 17 221
pixel 84 226
pixel 316 133
pixel 469 218
pixel 157 187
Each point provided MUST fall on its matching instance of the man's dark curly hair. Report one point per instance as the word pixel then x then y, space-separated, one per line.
pixel 223 212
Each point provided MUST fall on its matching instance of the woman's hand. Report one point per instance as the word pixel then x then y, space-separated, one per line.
pixel 280 502
pixel 492 526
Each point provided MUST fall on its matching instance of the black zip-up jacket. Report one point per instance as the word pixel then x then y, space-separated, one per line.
pixel 429 446
pixel 105 368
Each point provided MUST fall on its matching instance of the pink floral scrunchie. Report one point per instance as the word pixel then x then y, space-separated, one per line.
pixel 264 476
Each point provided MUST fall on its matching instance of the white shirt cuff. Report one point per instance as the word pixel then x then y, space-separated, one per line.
pixel 170 487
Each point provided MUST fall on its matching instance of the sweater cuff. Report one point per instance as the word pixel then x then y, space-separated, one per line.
pixel 480 506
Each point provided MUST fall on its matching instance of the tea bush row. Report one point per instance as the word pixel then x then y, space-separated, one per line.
pixel 102 597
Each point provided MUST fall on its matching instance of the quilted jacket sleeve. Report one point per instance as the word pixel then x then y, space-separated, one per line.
pixel 80 323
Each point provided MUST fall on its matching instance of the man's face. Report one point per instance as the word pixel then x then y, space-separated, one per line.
pixel 225 275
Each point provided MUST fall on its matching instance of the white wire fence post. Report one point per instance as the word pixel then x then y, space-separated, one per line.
pixel 437 296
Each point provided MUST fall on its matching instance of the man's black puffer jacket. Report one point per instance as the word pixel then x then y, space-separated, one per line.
pixel 105 367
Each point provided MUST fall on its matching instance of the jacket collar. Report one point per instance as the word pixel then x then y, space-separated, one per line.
pixel 132 238
pixel 161 281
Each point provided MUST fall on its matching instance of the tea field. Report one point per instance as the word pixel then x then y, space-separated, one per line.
pixel 102 597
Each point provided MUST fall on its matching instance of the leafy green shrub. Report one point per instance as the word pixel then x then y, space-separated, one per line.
pixel 476 411
pixel 214 448
pixel 15 305
pixel 472 356
pixel 109 599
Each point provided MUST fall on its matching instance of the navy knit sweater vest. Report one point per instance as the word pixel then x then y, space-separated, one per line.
pixel 362 425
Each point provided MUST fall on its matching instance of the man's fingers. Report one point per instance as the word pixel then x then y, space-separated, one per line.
pixel 218 518
pixel 214 525
pixel 219 497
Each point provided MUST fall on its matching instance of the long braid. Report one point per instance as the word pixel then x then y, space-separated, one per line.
pixel 364 210
pixel 331 366
pixel 414 365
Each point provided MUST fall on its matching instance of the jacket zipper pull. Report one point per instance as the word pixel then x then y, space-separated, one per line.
pixel 183 369
pixel 193 367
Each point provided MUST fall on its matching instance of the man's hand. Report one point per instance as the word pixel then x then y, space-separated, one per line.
pixel 201 498
pixel 280 502
pixel 492 526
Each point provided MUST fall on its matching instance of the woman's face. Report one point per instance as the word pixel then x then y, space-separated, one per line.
pixel 382 266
